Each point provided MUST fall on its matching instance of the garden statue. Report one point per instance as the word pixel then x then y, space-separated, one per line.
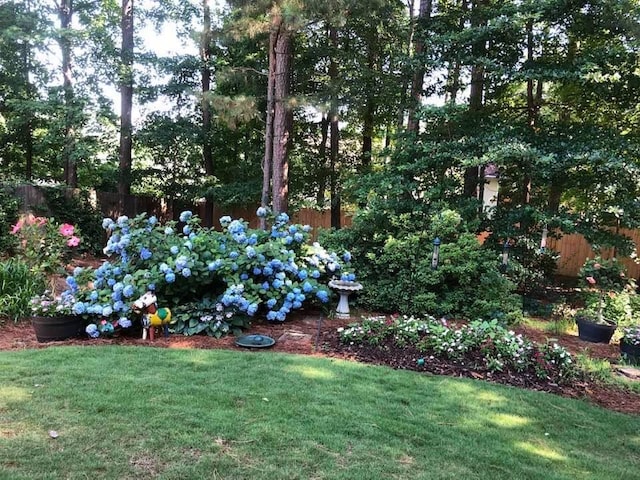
pixel 152 316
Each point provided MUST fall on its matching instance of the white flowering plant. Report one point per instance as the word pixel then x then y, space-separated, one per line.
pixel 631 335
pixel 500 349
pixel 248 271
pixel 46 305
pixel 209 317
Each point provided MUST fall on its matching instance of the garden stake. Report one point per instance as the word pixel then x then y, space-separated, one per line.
pixel 318 332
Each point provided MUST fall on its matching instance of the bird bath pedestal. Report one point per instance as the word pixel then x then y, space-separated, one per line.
pixel 344 289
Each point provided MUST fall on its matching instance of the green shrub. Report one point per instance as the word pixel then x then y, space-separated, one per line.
pixel 9 206
pixel 392 255
pixel 17 286
pixel 76 208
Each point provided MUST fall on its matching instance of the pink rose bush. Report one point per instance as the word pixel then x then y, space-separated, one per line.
pixel 45 245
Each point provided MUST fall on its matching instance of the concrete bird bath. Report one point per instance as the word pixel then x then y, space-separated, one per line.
pixel 344 289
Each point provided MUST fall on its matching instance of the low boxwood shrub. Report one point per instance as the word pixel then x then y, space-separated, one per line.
pixel 245 271
pixel 392 255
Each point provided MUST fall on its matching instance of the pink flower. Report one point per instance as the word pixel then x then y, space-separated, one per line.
pixel 73 241
pixel 66 230
pixel 597 266
pixel 40 221
pixel 591 280
pixel 16 228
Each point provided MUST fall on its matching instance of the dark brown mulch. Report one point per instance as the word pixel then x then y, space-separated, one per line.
pixel 306 334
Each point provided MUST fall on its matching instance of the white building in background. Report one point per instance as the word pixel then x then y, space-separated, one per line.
pixel 490 189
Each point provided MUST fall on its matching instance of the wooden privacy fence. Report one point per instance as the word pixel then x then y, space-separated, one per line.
pixel 112 205
pixel 573 249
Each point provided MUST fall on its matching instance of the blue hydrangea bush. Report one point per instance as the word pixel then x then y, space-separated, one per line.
pixel 240 271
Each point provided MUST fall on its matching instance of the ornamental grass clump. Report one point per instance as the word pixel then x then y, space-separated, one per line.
pixel 241 271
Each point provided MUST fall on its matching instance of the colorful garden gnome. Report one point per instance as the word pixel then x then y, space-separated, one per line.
pixel 152 316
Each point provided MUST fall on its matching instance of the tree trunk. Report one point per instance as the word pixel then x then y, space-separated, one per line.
pixel 65 14
pixel 417 83
pixel 282 120
pixel 453 76
pixel 476 92
pixel 322 155
pixel 205 71
pixel 267 160
pixel 405 80
pixel 126 98
pixel 335 132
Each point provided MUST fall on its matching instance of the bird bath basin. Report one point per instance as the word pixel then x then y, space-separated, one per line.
pixel 255 341
pixel 344 288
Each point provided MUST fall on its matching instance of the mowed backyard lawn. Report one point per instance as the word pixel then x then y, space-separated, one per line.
pixel 138 412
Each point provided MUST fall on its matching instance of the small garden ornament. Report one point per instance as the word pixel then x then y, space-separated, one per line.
pixel 152 316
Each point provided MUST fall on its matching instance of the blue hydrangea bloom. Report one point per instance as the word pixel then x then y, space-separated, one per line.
pixel 186 272
pixel 124 322
pixel 79 308
pixel 257 271
pixel 174 250
pixel 262 212
pixel 164 267
pixel 186 230
pixel 277 283
pixel 152 220
pixel 302 274
pixel 93 296
pixel 323 296
pixel 111 282
pixel 106 311
pixel 107 224
pixel 271 302
pixel 307 287
pixel 298 237
pixel 152 287
pixel 128 291
pixel 77 271
pixel 233 255
pixel 226 220
pixel 92 330
pixel 168 231
pixel 271 316
pixel 185 216
pixel 117 287
pixel 145 254
pixel 346 256
pixel 170 277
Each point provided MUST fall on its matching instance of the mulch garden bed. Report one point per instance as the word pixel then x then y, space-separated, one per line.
pixel 310 334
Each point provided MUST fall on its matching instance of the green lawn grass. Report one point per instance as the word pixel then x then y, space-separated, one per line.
pixel 131 412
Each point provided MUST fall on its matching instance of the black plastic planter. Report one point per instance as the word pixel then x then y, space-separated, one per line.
pixel 631 353
pixel 57 328
pixel 594 332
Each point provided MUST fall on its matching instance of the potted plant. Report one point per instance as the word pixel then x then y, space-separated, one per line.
pixel 53 318
pixel 605 279
pixel 630 344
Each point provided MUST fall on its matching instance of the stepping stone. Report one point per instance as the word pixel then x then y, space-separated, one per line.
pixel 632 373
pixel 295 337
